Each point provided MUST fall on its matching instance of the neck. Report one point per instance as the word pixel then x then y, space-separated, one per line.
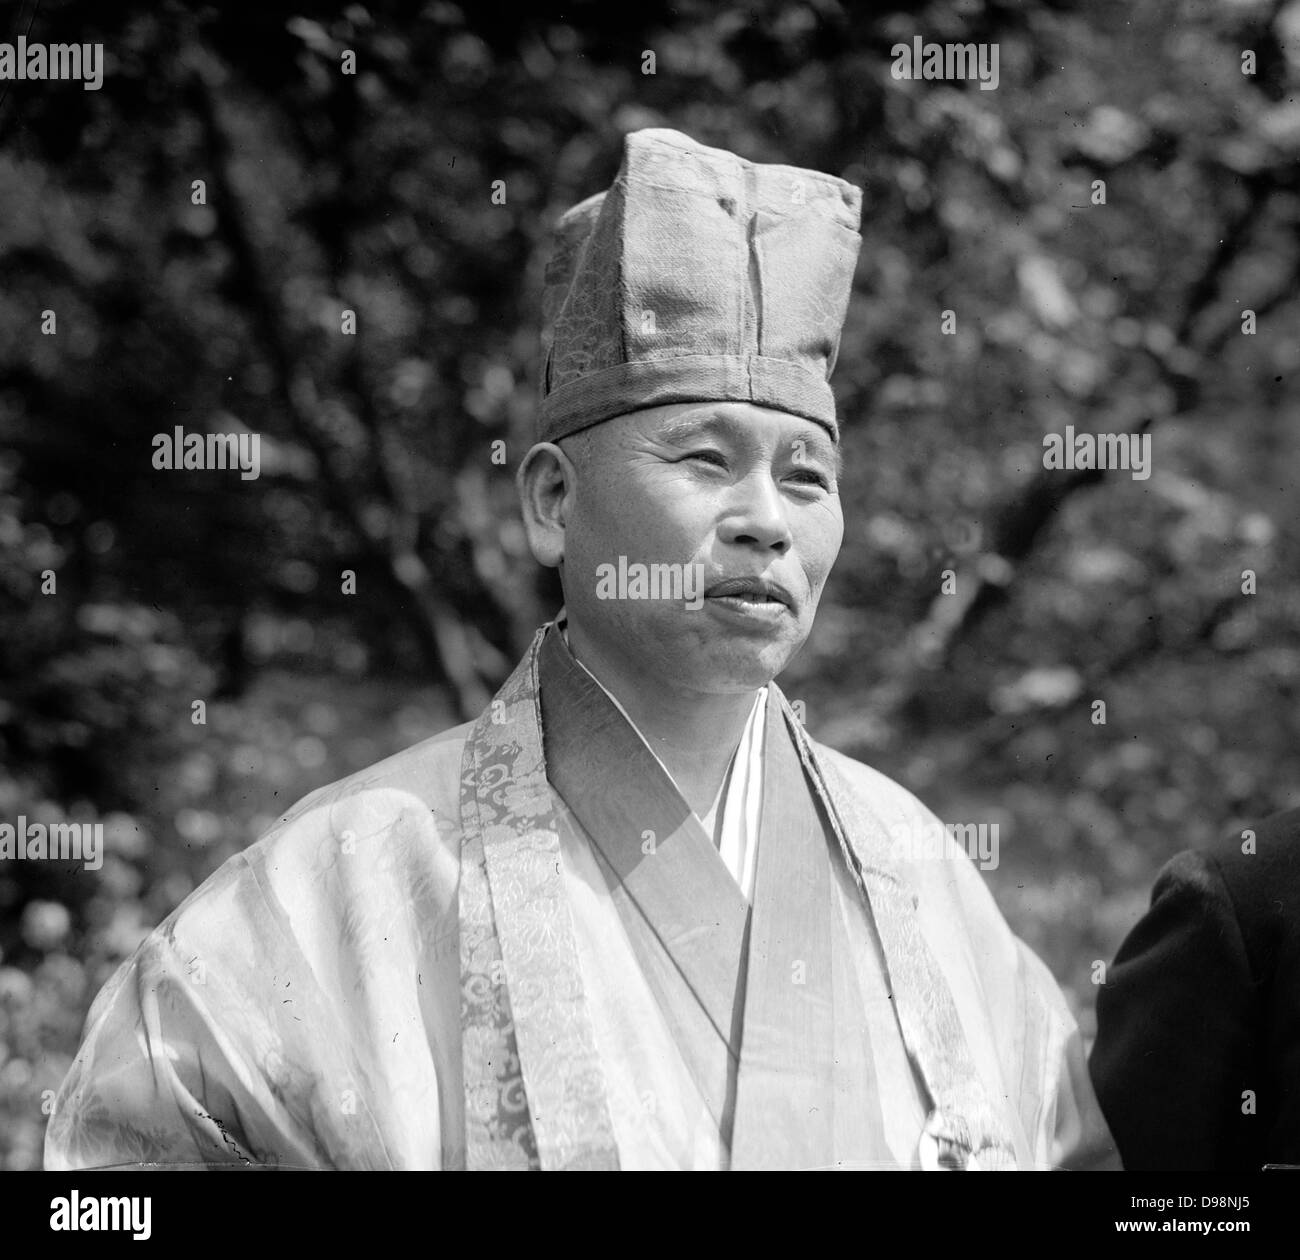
pixel 694 734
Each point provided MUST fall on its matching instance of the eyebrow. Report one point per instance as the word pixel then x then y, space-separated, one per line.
pixel 683 429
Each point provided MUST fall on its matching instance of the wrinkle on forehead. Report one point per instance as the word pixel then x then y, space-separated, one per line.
pixel 679 423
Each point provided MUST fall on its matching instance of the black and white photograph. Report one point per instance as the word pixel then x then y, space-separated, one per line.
pixel 678 587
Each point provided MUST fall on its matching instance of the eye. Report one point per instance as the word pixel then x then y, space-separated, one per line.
pixel 811 477
pixel 709 456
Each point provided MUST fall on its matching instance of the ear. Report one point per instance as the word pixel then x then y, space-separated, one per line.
pixel 546 482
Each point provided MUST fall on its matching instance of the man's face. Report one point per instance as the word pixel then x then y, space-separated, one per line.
pixel 746 493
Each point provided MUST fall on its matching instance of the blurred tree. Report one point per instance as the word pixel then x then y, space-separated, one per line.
pixel 418 193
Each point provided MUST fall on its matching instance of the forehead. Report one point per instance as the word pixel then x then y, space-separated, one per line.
pixel 740 421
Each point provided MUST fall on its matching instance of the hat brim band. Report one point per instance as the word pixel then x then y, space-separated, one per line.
pixel 614 391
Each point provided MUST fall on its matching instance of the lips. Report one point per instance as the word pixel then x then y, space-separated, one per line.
pixel 758 590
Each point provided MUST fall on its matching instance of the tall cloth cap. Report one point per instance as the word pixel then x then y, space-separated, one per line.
pixel 697 277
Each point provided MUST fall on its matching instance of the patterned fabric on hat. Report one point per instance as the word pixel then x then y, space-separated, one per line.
pixel 697 277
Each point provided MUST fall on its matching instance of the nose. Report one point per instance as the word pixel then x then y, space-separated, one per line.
pixel 756 516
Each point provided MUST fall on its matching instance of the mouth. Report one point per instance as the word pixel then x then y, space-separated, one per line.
pixel 752 596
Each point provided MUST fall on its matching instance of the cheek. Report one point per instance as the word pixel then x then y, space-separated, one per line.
pixel 821 533
pixel 663 520
pixel 601 527
pixel 645 523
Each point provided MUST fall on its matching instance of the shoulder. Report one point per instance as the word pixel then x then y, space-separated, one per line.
pixel 391 826
pixel 375 847
pixel 427 772
pixel 421 780
pixel 1261 863
pixel 889 801
pixel 1250 879
pixel 916 841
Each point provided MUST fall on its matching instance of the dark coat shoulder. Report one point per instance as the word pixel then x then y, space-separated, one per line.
pixel 1197 1059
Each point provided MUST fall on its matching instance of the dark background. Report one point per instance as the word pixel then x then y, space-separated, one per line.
pixel 373 193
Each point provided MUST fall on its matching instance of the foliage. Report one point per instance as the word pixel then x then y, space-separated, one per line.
pixel 372 192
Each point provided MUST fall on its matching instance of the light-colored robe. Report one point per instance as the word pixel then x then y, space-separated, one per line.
pixel 304 1006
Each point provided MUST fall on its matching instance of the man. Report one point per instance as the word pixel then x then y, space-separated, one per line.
pixel 1197 1061
pixel 633 916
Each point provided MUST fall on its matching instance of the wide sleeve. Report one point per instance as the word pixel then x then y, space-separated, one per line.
pixel 173 1066
pixel 1174 1048
pixel 298 1010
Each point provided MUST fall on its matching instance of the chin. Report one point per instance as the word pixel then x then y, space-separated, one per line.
pixel 733 669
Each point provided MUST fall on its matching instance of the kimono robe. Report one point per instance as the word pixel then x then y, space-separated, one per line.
pixel 514 946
